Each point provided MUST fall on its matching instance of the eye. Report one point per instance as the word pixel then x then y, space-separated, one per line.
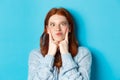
pixel 63 24
pixel 52 24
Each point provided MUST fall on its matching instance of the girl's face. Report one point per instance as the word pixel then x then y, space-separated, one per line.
pixel 57 26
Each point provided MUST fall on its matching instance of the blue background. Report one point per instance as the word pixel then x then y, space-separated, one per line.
pixel 97 27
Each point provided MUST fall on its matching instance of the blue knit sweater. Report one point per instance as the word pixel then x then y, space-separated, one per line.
pixel 77 68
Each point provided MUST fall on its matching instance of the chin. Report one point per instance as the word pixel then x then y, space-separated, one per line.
pixel 58 40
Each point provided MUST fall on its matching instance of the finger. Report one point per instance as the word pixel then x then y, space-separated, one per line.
pixel 50 36
pixel 66 36
pixel 56 42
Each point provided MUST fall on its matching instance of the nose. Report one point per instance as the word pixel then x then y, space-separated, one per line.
pixel 58 28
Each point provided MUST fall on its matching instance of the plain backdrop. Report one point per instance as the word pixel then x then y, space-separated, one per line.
pixel 97 28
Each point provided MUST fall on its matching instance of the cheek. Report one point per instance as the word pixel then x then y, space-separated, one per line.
pixel 65 30
pixel 51 30
pixel 53 33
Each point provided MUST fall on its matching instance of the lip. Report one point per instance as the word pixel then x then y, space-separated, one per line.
pixel 58 34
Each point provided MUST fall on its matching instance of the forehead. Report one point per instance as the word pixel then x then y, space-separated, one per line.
pixel 57 18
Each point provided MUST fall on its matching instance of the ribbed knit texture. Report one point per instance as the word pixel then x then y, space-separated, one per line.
pixel 77 68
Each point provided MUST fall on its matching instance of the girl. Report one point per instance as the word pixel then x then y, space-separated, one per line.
pixel 59 56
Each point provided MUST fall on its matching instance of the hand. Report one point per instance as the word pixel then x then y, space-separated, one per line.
pixel 63 45
pixel 52 45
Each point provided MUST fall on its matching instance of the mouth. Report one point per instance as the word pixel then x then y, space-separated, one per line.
pixel 58 34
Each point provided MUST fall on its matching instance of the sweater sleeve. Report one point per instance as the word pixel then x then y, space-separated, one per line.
pixel 40 68
pixel 77 68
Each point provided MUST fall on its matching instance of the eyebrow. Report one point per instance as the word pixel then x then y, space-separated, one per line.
pixel 64 21
pixel 60 22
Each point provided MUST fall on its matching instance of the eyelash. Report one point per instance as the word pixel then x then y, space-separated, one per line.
pixel 52 24
pixel 61 24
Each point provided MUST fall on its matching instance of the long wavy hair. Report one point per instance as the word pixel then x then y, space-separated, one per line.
pixel 44 40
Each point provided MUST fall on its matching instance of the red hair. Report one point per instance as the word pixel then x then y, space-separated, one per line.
pixel 44 40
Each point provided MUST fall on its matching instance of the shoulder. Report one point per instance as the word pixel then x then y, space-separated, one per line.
pixel 35 53
pixel 83 52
